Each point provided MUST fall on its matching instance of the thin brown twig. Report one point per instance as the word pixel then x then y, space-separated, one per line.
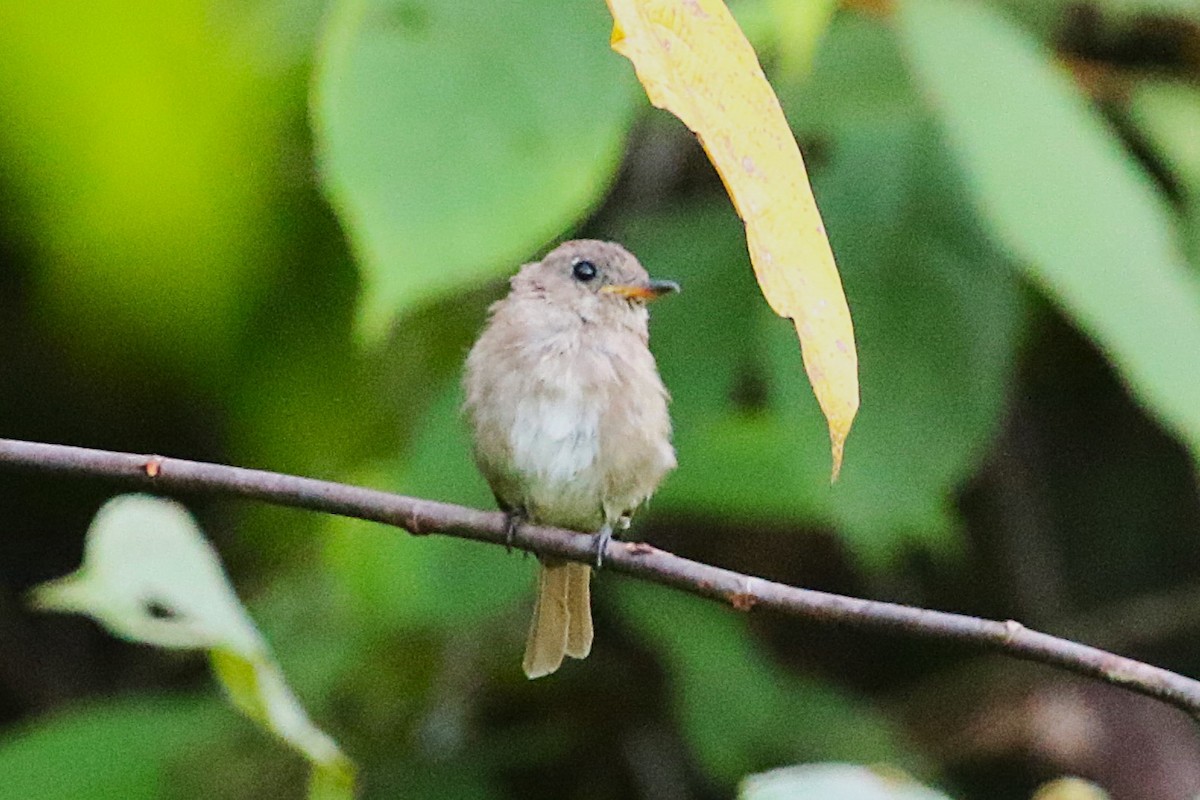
pixel 742 592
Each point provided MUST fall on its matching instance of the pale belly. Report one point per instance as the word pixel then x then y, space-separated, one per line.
pixel 555 445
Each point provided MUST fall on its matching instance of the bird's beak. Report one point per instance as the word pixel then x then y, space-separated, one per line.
pixel 651 290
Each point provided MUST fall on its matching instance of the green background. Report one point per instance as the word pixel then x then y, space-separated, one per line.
pixel 266 233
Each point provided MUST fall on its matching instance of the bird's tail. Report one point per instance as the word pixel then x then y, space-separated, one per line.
pixel 562 617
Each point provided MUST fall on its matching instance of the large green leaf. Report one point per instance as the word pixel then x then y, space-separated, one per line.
pixel 1054 186
pixel 456 138
pixel 117 749
pixel 938 316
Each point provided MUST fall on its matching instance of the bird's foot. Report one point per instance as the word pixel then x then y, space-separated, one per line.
pixel 512 521
pixel 604 536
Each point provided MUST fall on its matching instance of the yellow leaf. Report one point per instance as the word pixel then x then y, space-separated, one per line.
pixel 694 61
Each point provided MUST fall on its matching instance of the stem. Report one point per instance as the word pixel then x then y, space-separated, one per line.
pixel 743 592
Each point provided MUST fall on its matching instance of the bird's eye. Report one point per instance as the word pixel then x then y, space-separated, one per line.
pixel 583 270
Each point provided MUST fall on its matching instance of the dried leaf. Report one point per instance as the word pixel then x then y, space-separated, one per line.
pixel 694 61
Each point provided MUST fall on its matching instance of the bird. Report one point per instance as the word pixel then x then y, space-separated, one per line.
pixel 569 418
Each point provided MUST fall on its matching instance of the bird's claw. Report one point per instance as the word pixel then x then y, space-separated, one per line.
pixel 603 537
pixel 512 521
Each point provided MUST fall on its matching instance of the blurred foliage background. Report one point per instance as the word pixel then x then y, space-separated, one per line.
pixel 265 233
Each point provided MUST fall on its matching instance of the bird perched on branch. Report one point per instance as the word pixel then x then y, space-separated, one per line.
pixel 569 418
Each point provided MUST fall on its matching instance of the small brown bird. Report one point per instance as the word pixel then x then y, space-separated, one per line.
pixel 570 418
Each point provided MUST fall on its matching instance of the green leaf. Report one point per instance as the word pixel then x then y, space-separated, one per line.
pixel 1055 188
pixel 149 575
pixel 1168 114
pixel 739 711
pixel 456 138
pixel 937 312
pixel 258 688
pixel 118 748
pixel 858 79
pixel 332 782
pixel 940 318
pixel 798 29
pixel 392 580
pixel 829 781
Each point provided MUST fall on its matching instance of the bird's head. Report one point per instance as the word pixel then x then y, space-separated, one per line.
pixel 594 278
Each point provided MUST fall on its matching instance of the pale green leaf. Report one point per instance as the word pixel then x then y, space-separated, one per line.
pixel 834 782
pixel 260 691
pixel 149 575
pixel 1054 186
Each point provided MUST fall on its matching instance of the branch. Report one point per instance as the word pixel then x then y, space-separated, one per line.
pixel 743 592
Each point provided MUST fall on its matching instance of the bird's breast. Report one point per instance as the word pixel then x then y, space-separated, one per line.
pixel 555 445
pixel 555 437
pixel 575 432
